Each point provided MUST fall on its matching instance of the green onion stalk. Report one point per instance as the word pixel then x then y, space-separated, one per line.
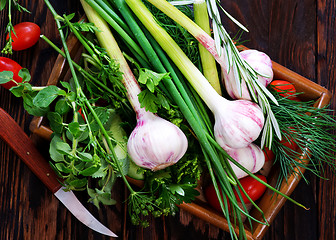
pixel 209 150
pixel 231 63
pixel 208 62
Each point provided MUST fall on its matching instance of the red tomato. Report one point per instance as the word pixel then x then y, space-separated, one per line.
pixel 211 197
pixel 26 35
pixel 7 64
pixel 252 187
pixel 285 89
pixel 269 155
pixel 80 111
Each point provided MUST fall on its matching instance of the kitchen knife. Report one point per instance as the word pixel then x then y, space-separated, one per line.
pixel 23 146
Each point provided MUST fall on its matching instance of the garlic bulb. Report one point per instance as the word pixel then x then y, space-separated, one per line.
pixel 156 143
pixel 237 122
pixel 251 157
pixel 260 62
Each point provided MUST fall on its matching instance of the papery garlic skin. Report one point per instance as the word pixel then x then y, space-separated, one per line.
pixel 237 123
pixel 260 62
pixel 251 157
pixel 156 143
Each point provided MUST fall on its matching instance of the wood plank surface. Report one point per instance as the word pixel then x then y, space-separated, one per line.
pixel 299 34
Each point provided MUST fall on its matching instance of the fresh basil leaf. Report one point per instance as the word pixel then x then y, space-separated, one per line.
pixel 62 107
pixel 66 85
pixel 74 129
pixel 28 102
pixel 3 4
pixel 55 122
pixel 54 154
pixel 62 168
pixel 106 199
pixel 63 148
pixel 47 95
pixel 84 156
pixel 25 75
pixel 6 76
pixel 89 171
pixel 78 183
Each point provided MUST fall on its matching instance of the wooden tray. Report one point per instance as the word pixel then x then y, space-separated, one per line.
pixel 269 203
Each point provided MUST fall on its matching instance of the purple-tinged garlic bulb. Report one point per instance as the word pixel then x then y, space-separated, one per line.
pixel 156 143
pixel 251 157
pixel 260 62
pixel 237 123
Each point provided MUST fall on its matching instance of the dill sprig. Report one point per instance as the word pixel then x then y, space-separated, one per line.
pixel 311 129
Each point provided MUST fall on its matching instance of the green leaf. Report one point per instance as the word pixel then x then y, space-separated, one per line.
pixel 62 168
pixel 78 183
pixel 148 101
pixel 106 199
pixel 70 16
pixel 3 4
pixel 151 79
pixel 66 85
pixel 28 104
pixel 55 122
pixel 62 107
pixel 89 171
pixel 25 75
pixel 18 90
pixel 100 173
pixel 63 148
pixel 176 189
pixel 86 157
pixel 103 115
pixel 54 154
pixel 74 129
pixel 6 76
pixel 163 101
pixel 71 96
pixel 47 95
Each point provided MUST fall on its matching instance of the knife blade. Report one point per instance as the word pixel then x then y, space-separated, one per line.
pixel 23 146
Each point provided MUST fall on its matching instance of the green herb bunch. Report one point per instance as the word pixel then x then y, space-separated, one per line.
pixel 309 132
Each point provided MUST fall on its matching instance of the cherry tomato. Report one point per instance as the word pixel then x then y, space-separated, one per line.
pixel 211 197
pixel 26 35
pixel 269 154
pixel 285 89
pixel 252 187
pixel 7 64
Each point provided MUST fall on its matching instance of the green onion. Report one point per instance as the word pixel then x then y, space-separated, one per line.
pixel 208 62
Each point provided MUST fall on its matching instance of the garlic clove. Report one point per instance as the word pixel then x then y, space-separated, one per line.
pixel 251 157
pixel 156 143
pixel 260 62
pixel 237 123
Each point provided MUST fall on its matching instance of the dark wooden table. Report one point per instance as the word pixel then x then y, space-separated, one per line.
pixel 298 34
